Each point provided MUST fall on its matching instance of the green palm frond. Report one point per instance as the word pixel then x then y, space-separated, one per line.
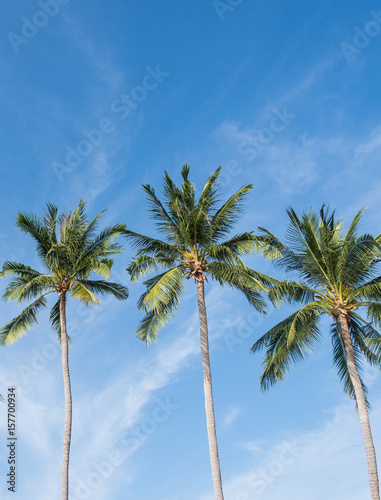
pixel 360 261
pixel 55 319
pixel 103 267
pixel 163 220
pixel 146 264
pixel 102 245
pixel 101 287
pixel 149 327
pixel 367 340
pixel 284 347
pixel 373 310
pixel 226 217
pixel 249 243
pixel 209 195
pixel 292 292
pixel 269 245
pixel 26 320
pixel 223 254
pixel 309 254
pixel 251 283
pixel 11 267
pixel 57 258
pixel 31 225
pixel 27 287
pixel 50 221
pixel 80 291
pixel 153 247
pixel 161 289
pixel 369 291
pixel 160 302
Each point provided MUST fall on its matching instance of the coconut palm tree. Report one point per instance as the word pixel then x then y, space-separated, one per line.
pixel 195 247
pixel 70 252
pixel 339 278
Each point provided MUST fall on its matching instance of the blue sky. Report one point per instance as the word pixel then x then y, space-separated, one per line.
pixel 99 97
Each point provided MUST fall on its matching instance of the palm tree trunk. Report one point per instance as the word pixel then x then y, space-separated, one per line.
pixel 362 409
pixel 68 405
pixel 210 420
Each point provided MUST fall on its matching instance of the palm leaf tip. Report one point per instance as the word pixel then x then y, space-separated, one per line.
pixel 18 327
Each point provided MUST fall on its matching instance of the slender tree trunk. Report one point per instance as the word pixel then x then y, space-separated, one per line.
pixel 210 421
pixel 68 410
pixel 362 409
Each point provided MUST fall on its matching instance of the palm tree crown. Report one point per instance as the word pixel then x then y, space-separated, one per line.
pixel 340 279
pixel 70 252
pixel 194 248
pixel 339 273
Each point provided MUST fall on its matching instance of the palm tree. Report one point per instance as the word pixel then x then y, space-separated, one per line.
pixel 194 247
pixel 68 262
pixel 339 279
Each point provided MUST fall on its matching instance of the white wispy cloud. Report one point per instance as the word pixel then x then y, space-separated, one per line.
pixel 369 144
pixel 231 415
pixel 296 165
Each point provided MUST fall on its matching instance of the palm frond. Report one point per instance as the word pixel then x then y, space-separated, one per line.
pixel 227 216
pixel 31 225
pixel 292 292
pixel 145 264
pixel 11 267
pixel 101 287
pixel 149 327
pixel 103 267
pixel 50 221
pixel 160 302
pixel 209 195
pixel 161 289
pixel 163 220
pixel 26 320
pixel 80 291
pixel 103 245
pixel 27 287
pixel 55 320
pixel 281 351
pixel 370 290
pixel 373 310
pixel 251 283
pixel 153 247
